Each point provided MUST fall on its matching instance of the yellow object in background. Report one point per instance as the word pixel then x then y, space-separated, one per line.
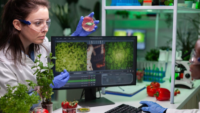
pixel 83 110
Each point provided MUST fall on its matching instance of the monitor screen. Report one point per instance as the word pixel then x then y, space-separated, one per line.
pixel 141 34
pixel 95 61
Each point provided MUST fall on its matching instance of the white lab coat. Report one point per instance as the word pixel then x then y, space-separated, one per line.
pixel 12 75
pixel 183 111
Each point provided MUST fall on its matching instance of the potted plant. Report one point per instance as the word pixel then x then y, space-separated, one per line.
pixel 17 99
pixel 152 55
pixel 61 13
pixel 45 76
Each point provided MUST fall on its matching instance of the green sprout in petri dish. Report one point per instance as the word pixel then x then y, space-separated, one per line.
pixel 89 23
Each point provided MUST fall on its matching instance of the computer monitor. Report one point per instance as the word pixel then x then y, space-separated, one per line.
pixel 96 61
pixel 141 36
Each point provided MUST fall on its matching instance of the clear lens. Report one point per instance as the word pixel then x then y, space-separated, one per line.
pixel 40 25
pixel 193 59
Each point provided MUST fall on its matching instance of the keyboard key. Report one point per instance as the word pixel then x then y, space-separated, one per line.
pixel 123 108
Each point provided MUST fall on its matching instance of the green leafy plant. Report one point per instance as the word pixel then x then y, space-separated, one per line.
pixel 73 54
pixel 124 14
pixel 61 12
pixel 45 76
pixel 168 2
pixel 186 35
pixel 118 55
pixel 152 55
pixel 17 99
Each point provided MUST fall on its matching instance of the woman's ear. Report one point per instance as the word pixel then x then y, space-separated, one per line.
pixel 17 24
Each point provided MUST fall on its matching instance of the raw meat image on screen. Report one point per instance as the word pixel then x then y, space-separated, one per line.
pixel 88 24
pixel 96 57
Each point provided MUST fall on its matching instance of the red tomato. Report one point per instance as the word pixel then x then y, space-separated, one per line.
pixel 162 94
pixel 155 84
pixel 151 90
pixel 65 104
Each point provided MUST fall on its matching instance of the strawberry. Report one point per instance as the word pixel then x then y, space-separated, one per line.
pixel 175 93
pixel 178 91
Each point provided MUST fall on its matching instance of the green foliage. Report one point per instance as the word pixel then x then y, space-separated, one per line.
pixel 44 77
pixel 168 2
pixel 71 56
pixel 61 12
pixel 186 36
pixel 124 14
pixel 17 99
pixel 152 55
pixel 119 55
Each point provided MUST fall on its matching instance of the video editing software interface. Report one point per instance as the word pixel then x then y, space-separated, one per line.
pixel 95 61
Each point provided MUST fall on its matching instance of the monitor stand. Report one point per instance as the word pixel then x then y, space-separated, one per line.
pixel 91 100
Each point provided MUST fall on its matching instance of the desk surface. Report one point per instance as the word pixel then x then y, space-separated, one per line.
pixel 179 100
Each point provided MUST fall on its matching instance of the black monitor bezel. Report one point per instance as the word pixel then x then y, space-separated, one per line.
pixel 53 39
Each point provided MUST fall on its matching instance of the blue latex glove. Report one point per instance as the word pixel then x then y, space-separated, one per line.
pixel 60 80
pixel 153 107
pixel 80 31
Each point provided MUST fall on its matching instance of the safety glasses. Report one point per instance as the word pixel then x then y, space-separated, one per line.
pixel 193 59
pixel 37 25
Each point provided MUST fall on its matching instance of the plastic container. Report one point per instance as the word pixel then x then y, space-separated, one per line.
pixel 40 110
pixel 140 75
pixel 69 110
pixel 125 3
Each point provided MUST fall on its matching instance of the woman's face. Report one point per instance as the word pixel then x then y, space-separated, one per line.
pixel 195 68
pixel 36 32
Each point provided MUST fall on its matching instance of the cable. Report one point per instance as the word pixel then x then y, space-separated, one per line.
pixel 99 94
pixel 82 94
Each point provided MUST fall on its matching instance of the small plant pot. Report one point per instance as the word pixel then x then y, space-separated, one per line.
pixel 49 107
pixel 189 3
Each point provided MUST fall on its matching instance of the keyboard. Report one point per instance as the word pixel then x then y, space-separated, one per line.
pixel 124 108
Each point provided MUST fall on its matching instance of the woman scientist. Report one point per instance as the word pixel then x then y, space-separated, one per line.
pixel 22 37
pixel 195 70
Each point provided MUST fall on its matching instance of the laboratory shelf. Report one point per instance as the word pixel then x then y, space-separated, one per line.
pixel 136 7
pixel 174 10
pixel 154 9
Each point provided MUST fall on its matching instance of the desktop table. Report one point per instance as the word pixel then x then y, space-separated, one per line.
pixel 180 100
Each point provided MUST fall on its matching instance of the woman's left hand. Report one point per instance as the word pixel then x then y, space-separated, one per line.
pixel 80 31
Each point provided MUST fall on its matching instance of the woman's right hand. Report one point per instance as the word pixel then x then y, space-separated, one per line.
pixel 152 107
